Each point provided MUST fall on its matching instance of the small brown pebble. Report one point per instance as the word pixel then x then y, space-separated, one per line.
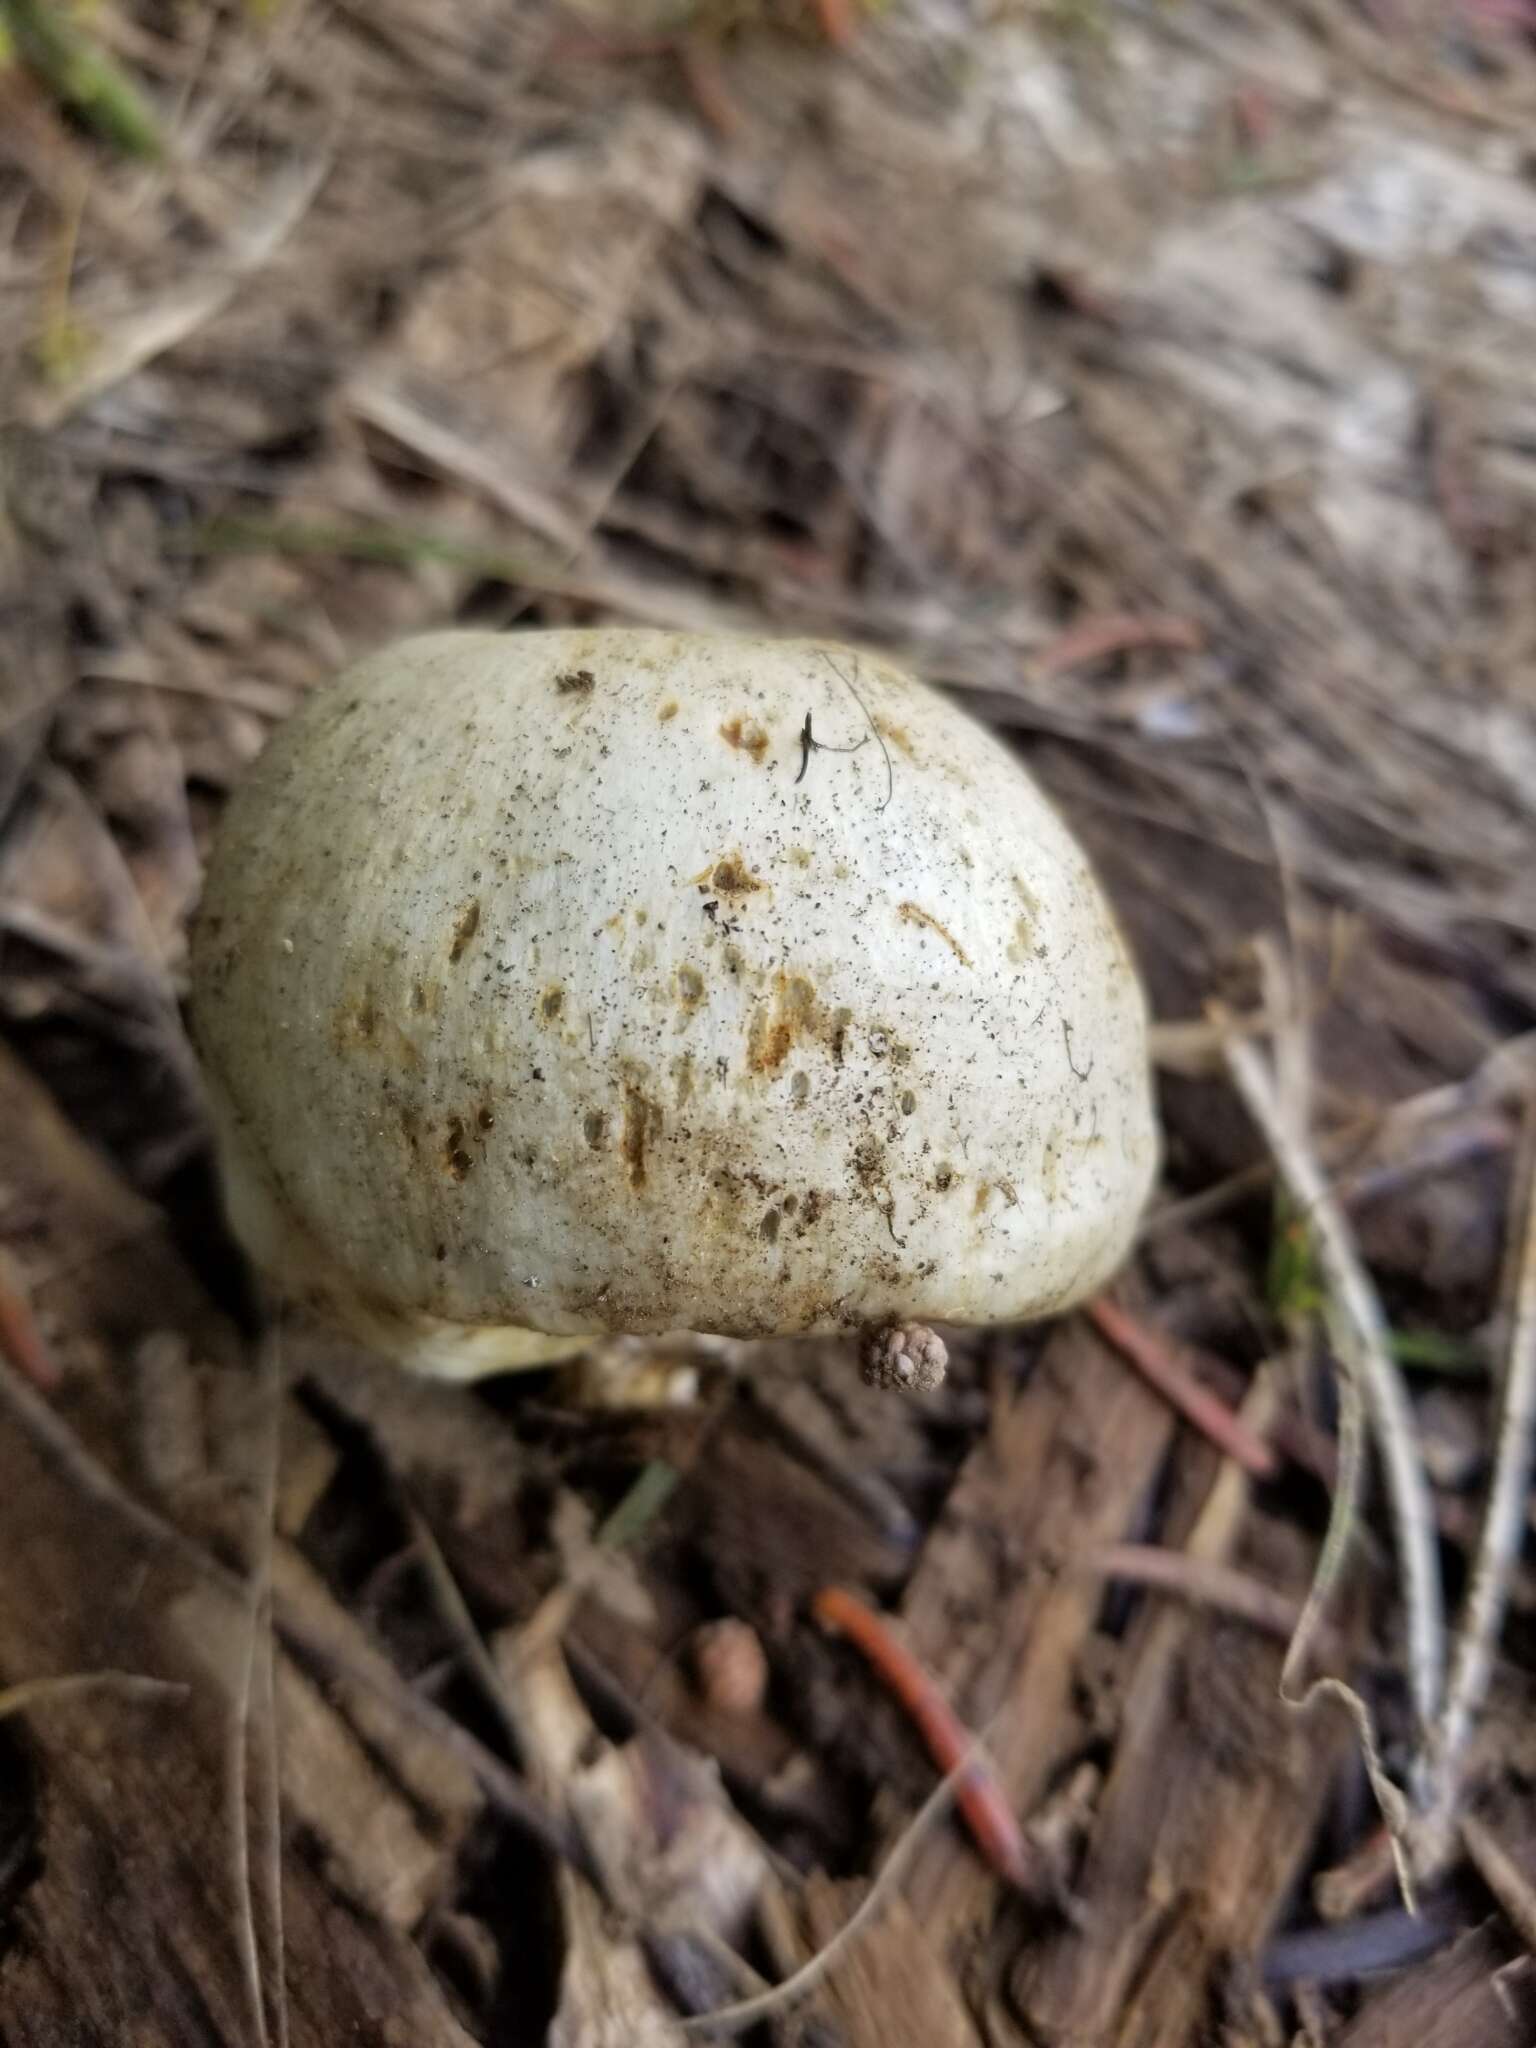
pixel 909 1357
pixel 731 1666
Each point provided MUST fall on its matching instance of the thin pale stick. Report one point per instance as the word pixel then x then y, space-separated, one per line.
pixel 1503 1522
pixel 455 1611
pixel 256 1601
pixel 38 1692
pixel 1358 1330
pixel 1202 1581
pixel 751 2012
pixel 1343 1519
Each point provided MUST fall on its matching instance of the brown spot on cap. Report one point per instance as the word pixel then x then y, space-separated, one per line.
pixel 730 877
pixel 576 682
pixel 911 913
pixel 1026 895
pixel 746 735
pixel 594 1127
pixel 775 1028
pixel 668 711
pixel 690 989
pixel 465 925
pixel 360 1024
pixel 1022 945
pixel 869 1162
pixel 551 1003
pixel 642 1122
pixel 456 1161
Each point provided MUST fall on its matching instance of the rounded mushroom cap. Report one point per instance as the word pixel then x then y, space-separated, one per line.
pixel 590 981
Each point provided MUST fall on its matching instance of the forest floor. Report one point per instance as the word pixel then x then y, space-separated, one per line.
pixel 1155 375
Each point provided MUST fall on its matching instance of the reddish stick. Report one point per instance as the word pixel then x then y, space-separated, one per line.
pixel 1158 1363
pixel 836 17
pixel 20 1339
pixel 979 1796
pixel 1096 638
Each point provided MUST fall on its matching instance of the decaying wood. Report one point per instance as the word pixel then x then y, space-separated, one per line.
pixel 662 1841
pixel 1469 1998
pixel 891 1985
pixel 86 1244
pixel 129 1924
pixel 994 1609
pixel 1210 1806
pixel 368 1842
pixel 130 1919
pixel 433 1777
pixel 954 376
pixel 747 1485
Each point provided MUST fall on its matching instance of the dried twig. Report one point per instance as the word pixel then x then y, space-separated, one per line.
pixel 1161 1366
pixel 1188 1047
pixel 56 1443
pixel 837 19
pixel 504 1791
pixel 752 2012
pixel 258 1598
pixel 1096 638
pixel 35 1692
pixel 1358 1330
pixel 168 318
pixel 1341 1891
pixel 1203 1580
pixel 1347 1486
pixel 1503 1529
pixel 59 1447
pixel 272 1792
pixel 454 1609
pixel 981 1798
pixel 20 1339
pixel 1503 1877
pixel 1396 1812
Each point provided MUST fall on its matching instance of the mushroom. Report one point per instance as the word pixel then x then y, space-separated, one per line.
pixel 564 983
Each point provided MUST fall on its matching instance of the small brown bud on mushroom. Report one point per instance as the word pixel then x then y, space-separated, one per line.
pixel 730 1665
pixel 910 1358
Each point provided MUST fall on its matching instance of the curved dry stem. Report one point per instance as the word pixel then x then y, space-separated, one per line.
pixel 751 2012
pixel 1343 1517
pixel 38 1692
pixel 1358 1331
pixel 1395 1811
pixel 258 1604
pixel 1502 1532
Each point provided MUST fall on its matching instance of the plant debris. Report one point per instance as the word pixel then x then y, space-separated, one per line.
pixel 1155 380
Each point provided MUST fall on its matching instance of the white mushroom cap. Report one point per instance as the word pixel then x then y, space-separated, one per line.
pixel 592 981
